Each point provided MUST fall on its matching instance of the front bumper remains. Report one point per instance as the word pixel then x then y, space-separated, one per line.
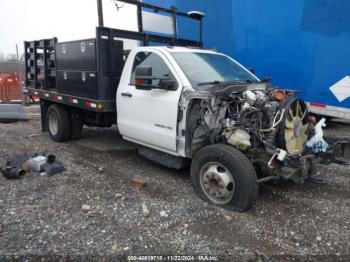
pixel 299 168
pixel 338 152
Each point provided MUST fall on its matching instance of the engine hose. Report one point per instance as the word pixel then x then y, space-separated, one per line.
pixel 274 123
pixel 270 138
pixel 270 145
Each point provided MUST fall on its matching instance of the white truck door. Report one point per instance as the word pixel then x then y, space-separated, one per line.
pixel 149 117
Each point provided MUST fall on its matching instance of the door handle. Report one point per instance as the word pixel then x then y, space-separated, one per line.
pixel 127 94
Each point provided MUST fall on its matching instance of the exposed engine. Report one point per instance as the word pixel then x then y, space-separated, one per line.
pixel 258 119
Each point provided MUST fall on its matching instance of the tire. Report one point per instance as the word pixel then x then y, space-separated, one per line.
pixel 234 170
pixel 58 123
pixel 76 126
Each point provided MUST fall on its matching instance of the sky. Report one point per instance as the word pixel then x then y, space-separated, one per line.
pixel 29 20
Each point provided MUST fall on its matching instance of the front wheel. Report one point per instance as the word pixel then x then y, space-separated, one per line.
pixel 222 175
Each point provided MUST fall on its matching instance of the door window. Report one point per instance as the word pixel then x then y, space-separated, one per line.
pixel 149 59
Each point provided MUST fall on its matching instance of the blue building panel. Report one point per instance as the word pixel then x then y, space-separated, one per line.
pixel 301 44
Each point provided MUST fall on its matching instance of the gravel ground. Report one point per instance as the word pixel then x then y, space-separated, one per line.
pixel 43 215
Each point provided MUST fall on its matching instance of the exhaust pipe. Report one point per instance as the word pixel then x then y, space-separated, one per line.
pixel 12 172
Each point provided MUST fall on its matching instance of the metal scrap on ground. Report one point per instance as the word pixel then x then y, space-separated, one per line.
pixel 17 165
pixel 12 112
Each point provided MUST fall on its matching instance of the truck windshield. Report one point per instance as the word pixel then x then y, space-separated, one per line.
pixel 205 69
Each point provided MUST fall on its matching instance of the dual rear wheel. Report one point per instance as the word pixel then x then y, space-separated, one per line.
pixel 63 125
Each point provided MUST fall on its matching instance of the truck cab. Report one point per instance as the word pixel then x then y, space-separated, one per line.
pixel 154 113
pixel 150 109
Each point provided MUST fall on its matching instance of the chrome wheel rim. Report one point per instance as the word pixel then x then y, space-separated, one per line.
pixel 53 123
pixel 217 183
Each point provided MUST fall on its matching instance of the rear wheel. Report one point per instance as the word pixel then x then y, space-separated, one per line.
pixel 58 123
pixel 222 175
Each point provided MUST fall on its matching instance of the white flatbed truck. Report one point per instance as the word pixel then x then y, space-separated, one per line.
pixel 182 105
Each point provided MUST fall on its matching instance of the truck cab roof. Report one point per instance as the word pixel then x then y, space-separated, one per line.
pixel 174 49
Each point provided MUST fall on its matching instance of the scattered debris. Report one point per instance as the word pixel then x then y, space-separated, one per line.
pixel 12 172
pixel 14 167
pixel 228 217
pixel 138 182
pixel 26 166
pixel 145 210
pixel 17 160
pixel 47 164
pixel 163 214
pixel 164 226
pixel 36 163
pixel 85 208
pixel 114 247
pixel 183 229
pixel 34 135
pixel 119 195
pixel 18 165
pixel 53 167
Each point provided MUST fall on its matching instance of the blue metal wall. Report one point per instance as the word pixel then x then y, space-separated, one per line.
pixel 301 44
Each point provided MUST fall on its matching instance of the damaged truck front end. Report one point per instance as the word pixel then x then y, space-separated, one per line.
pixel 270 126
pixel 265 131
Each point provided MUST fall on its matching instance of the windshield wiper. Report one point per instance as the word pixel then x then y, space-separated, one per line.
pixel 247 81
pixel 216 82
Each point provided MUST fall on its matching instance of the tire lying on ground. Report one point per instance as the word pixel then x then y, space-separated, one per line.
pixel 222 175
pixel 58 123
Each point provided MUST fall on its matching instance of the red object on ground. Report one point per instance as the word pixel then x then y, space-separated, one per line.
pixel 10 88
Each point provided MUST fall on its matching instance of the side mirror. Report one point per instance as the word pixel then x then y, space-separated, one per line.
pixel 266 79
pixel 144 79
pixel 167 84
pixel 143 76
